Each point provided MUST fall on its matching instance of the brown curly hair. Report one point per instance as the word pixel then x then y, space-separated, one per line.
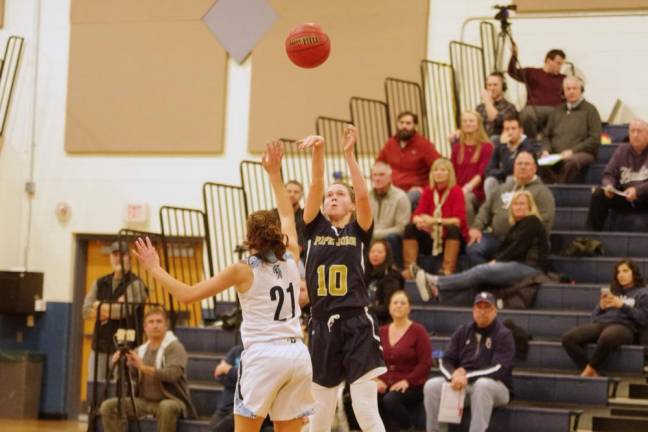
pixel 264 235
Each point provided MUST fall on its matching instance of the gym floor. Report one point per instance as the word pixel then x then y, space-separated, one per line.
pixel 7 425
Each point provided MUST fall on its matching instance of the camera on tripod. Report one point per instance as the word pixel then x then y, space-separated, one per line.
pixel 124 340
pixel 502 15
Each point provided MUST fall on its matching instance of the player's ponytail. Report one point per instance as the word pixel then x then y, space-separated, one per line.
pixel 264 236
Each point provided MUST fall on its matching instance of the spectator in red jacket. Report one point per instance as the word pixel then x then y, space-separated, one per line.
pixel 439 222
pixel 408 357
pixel 471 153
pixel 410 156
pixel 543 87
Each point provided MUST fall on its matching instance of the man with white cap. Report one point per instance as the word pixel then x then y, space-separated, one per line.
pixel 479 359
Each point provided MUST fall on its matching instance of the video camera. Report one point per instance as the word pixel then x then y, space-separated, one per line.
pixel 124 340
pixel 502 15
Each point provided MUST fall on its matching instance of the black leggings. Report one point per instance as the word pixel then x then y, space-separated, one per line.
pixel 608 337
pixel 425 240
pixel 395 407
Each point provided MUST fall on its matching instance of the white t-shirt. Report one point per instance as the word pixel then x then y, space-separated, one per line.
pixel 271 306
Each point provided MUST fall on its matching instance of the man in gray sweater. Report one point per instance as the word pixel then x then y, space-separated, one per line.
pixel 162 386
pixel 391 209
pixel 573 131
pixel 492 222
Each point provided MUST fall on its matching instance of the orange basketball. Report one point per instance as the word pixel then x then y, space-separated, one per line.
pixel 307 45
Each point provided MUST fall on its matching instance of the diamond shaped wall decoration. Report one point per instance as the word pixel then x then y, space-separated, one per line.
pixel 239 24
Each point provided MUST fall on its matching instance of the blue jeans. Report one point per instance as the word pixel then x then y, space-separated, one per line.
pixel 483 251
pixel 498 274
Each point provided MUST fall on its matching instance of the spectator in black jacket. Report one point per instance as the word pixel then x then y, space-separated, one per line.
pixel 624 185
pixel 479 359
pixel 622 311
pixel 511 142
pixel 382 279
pixel 523 253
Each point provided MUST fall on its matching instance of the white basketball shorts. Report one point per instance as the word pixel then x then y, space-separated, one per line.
pixel 275 378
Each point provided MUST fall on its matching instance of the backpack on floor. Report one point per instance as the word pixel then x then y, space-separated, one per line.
pixel 583 247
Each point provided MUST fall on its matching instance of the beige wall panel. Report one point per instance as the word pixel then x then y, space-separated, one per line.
pixel 86 11
pixel 370 41
pixel 579 5
pixel 145 87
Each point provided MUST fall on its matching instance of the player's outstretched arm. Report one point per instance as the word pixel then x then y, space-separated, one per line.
pixel 363 206
pixel 316 191
pixel 271 162
pixel 237 275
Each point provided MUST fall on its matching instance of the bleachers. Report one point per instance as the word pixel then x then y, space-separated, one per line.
pixel 443 320
pixel 549 355
pixel 548 393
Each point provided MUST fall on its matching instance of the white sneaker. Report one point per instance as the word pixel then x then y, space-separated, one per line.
pixel 422 286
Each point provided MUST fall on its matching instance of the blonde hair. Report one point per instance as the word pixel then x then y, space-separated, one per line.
pixel 482 137
pixel 452 177
pixel 533 208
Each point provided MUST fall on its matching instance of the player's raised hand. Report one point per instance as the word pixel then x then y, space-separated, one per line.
pixel 271 159
pixel 349 138
pixel 146 254
pixel 313 141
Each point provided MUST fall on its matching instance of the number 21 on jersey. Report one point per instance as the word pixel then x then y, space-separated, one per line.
pixel 337 280
pixel 277 294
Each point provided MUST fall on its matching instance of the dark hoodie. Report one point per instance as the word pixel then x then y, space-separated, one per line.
pixel 382 282
pixel 482 352
pixel 627 169
pixel 633 314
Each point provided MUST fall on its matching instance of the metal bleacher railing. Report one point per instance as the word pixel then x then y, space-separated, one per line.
pixel 402 96
pixel 155 292
pixel 187 257
pixel 493 49
pixel 226 211
pixel 296 164
pixel 331 130
pixel 441 102
pixel 258 193
pixel 371 117
pixel 470 75
pixel 9 70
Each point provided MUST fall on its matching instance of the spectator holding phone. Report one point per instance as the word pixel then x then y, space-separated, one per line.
pixel 622 311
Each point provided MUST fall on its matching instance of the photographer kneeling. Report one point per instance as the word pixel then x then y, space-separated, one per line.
pixel 162 389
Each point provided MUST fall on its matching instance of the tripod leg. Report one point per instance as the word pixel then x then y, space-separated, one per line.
pixel 131 395
pixel 121 408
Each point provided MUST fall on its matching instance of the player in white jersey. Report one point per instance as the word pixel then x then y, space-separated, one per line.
pixel 275 372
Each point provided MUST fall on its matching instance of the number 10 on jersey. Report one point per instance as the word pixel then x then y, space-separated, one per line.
pixel 337 280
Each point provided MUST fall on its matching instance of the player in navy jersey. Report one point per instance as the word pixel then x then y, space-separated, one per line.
pixel 275 373
pixel 344 341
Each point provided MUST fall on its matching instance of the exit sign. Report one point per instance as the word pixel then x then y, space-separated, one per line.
pixel 136 213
